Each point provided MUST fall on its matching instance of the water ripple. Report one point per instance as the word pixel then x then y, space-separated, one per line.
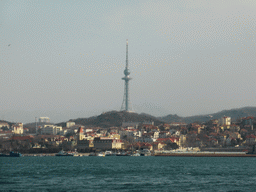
pixel 127 174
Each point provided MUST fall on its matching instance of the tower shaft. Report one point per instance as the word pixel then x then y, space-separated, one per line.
pixel 126 102
pixel 126 95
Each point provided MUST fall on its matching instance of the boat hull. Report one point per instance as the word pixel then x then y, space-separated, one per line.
pixel 64 155
pixel 12 154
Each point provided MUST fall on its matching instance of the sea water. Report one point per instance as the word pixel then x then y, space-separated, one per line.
pixel 127 174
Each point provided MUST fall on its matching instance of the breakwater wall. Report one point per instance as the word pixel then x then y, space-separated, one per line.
pixel 208 154
pixel 238 149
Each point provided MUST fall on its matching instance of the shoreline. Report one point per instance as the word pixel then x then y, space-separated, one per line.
pixel 168 154
pixel 206 154
pixel 50 154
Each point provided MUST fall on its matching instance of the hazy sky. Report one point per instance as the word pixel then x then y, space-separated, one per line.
pixel 65 58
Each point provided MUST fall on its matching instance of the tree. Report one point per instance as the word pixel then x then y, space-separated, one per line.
pixel 170 145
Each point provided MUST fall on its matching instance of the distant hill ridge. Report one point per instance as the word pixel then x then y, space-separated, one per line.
pixel 233 113
pixel 115 118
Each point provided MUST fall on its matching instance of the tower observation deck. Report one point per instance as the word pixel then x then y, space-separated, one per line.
pixel 126 106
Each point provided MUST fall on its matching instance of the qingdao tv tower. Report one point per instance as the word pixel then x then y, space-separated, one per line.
pixel 126 106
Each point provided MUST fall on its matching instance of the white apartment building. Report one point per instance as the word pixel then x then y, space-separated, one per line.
pixel 70 124
pixel 225 121
pixel 51 129
pixel 17 128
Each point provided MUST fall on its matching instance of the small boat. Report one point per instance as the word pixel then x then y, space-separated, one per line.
pixel 110 153
pixel 12 154
pixel 3 155
pixel 122 154
pixel 101 154
pixel 145 152
pixel 136 154
pixel 63 153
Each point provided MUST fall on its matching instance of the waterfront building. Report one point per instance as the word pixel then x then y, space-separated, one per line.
pixel 107 143
pixel 118 144
pixel 84 144
pixel 250 139
pixel 104 144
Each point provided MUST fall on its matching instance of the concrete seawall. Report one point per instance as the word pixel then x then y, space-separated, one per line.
pixel 207 154
pixel 49 154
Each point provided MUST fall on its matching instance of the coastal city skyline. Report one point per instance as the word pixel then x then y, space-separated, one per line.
pixel 65 60
pixel 71 119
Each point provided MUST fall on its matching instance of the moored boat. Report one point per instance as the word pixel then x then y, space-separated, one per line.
pixel 110 153
pixel 15 154
pixel 12 154
pixel 135 154
pixel 63 153
pixel 122 154
pixel 3 155
pixel 145 152
pixel 101 154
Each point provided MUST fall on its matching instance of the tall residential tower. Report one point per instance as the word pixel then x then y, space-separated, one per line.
pixel 126 106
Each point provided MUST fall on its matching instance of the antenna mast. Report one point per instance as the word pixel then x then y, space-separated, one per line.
pixel 126 106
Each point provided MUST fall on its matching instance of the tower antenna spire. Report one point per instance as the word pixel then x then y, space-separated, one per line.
pixel 126 66
pixel 126 106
